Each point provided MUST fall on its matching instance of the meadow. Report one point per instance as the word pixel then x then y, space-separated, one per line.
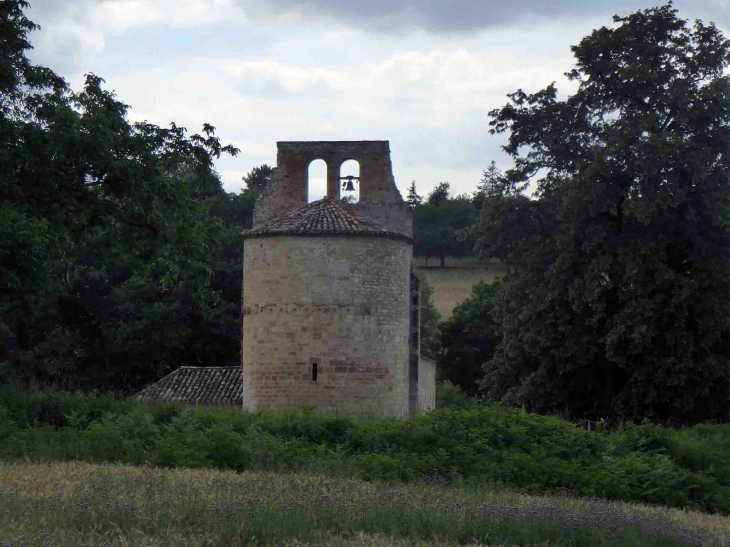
pixel 74 503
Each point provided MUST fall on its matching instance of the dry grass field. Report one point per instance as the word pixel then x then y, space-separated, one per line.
pixel 113 505
pixel 453 283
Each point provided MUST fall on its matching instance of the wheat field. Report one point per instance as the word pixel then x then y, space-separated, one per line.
pixel 54 504
pixel 453 283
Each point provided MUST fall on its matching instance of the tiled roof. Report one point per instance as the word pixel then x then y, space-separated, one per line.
pixel 197 386
pixel 326 217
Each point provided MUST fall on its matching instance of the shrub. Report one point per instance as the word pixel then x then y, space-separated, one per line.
pixel 479 443
pixel 227 449
pixel 450 396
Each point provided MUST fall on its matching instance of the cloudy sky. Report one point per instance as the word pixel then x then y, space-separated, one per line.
pixel 422 74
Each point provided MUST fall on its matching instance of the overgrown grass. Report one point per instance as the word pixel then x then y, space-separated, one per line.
pixel 476 446
pixel 83 504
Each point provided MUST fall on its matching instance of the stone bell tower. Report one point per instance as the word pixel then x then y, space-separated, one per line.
pixel 330 320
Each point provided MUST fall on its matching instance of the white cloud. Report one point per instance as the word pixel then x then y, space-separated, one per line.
pixel 460 16
pixel 65 42
pixel 122 15
pixel 320 70
pixel 430 100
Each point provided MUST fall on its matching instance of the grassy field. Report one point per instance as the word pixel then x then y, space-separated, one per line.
pixel 453 283
pixel 85 504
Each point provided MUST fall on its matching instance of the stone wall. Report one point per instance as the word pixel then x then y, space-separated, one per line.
pixel 396 217
pixel 340 303
pixel 415 343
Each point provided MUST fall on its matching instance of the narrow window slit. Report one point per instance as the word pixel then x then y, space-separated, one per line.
pixel 314 372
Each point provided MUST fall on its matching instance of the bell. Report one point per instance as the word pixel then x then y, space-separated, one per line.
pixel 349 187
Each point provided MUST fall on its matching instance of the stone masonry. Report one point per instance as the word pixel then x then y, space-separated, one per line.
pixel 328 313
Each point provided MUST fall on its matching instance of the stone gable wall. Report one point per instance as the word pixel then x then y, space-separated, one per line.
pixel 287 189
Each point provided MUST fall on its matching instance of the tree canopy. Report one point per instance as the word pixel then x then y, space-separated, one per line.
pixel 438 222
pixel 105 231
pixel 441 193
pixel 258 178
pixel 616 301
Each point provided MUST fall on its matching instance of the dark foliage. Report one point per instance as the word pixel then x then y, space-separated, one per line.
pixel 438 223
pixel 617 298
pixel 439 194
pixel 258 178
pixel 110 267
pixel 468 338
pixel 489 185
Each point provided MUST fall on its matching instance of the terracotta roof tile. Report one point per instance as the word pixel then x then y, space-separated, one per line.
pixel 326 217
pixel 197 386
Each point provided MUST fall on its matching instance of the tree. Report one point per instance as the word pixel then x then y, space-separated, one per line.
pixel 468 338
pixel 488 185
pixel 436 228
pixel 89 200
pixel 439 194
pixel 258 178
pixel 414 199
pixel 617 295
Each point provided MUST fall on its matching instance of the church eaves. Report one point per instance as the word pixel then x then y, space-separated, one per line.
pixel 326 217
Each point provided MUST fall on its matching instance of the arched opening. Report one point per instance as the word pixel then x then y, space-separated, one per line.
pixel 316 181
pixel 350 181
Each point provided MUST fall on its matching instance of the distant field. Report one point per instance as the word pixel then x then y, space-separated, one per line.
pixel 453 283
pixel 88 505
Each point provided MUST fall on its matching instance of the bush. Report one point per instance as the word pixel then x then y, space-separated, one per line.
pixel 468 440
pixel 57 408
pixel 450 396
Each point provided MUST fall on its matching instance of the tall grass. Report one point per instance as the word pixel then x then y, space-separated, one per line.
pixel 83 504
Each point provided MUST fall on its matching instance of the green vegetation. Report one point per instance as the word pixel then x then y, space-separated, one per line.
pixel 615 305
pixel 85 505
pixel 438 222
pixel 108 231
pixel 467 339
pixel 483 444
pixel 616 300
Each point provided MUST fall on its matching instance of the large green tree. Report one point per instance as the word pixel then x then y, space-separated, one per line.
pixel 490 182
pixel 438 223
pixel 258 178
pixel 617 298
pixel 97 216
